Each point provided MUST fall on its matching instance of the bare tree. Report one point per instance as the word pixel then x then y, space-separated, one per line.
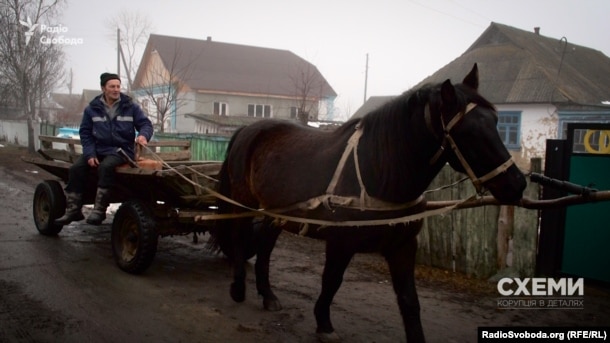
pixel 308 88
pixel 163 83
pixel 134 29
pixel 30 65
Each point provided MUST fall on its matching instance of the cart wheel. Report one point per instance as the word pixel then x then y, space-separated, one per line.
pixel 134 238
pixel 49 204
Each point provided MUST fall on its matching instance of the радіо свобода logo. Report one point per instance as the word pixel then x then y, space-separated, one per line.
pixel 31 27
pixel 49 34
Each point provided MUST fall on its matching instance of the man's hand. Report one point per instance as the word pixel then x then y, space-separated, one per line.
pixel 93 162
pixel 142 140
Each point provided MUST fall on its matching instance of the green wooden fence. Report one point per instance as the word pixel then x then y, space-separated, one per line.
pixel 203 147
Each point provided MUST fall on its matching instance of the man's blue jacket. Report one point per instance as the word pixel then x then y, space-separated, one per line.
pixel 101 136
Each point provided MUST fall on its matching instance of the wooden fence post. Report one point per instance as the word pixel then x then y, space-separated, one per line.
pixel 505 233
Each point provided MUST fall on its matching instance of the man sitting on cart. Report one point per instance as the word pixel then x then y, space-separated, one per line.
pixel 109 123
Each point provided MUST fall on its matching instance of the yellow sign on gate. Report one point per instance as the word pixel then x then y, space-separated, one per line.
pixel 603 142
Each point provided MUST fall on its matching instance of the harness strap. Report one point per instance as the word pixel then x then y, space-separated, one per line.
pixel 458 117
pixel 351 145
pixel 364 196
pixel 331 202
pixel 428 119
pixel 446 128
pixel 252 212
pixel 501 169
pixel 476 181
pixel 364 202
pixel 347 223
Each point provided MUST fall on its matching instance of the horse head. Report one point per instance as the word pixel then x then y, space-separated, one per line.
pixel 466 126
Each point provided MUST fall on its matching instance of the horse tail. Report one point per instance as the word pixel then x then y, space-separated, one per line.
pixel 220 234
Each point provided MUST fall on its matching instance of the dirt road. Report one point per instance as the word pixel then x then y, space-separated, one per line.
pixel 67 289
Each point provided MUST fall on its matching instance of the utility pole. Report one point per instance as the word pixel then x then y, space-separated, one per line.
pixel 118 52
pixel 366 76
pixel 121 57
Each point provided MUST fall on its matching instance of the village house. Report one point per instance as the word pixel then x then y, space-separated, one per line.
pixel 538 84
pixel 209 87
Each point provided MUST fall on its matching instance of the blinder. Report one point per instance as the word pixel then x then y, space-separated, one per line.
pixel 447 139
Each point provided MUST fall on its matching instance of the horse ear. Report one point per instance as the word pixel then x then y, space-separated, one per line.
pixel 472 79
pixel 448 93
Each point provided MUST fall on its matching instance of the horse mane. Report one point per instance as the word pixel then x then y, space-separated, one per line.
pixel 392 144
pixel 386 143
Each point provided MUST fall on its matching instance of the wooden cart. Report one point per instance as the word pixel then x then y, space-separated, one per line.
pixel 155 202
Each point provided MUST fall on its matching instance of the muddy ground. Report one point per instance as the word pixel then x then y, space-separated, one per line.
pixel 67 289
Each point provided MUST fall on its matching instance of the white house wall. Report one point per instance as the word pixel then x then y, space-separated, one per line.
pixel 238 104
pixel 188 105
pixel 203 103
pixel 539 122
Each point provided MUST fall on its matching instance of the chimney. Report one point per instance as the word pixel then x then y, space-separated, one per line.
pixel 537 30
pixel 209 38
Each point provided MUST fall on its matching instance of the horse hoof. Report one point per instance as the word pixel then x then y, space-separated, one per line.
pixel 238 292
pixel 272 305
pixel 328 337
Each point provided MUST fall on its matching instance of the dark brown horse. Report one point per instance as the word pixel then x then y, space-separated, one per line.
pixel 370 169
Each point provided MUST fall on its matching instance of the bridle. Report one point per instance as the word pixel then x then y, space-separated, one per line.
pixel 447 139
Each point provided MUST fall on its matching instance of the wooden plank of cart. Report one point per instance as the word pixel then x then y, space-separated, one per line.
pixel 156 199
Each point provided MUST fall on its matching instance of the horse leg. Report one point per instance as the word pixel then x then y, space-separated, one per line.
pixel 401 263
pixel 267 236
pixel 239 237
pixel 337 260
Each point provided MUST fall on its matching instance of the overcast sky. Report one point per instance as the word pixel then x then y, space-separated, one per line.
pixel 405 40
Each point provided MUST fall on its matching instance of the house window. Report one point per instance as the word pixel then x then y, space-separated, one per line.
pixel 221 108
pixel 257 110
pixel 145 105
pixel 509 128
pixel 293 112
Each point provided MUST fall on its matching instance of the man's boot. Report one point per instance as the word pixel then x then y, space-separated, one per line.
pixel 74 202
pixel 97 216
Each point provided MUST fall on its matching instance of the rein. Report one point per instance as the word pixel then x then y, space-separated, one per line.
pixel 476 181
pixel 364 202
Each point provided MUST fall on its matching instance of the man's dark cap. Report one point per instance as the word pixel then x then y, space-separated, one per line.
pixel 105 77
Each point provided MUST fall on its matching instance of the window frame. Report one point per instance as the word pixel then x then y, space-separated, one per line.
pixel 220 108
pixel 504 128
pixel 260 110
pixel 294 111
